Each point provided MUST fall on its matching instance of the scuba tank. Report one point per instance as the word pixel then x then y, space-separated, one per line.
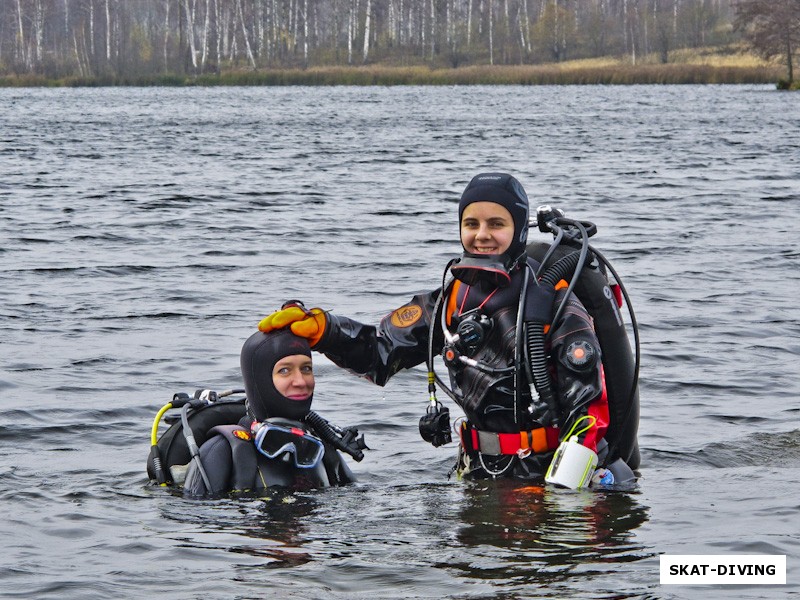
pixel 177 445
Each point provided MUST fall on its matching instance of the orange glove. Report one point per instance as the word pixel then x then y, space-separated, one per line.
pixel 312 327
pixel 309 324
pixel 281 318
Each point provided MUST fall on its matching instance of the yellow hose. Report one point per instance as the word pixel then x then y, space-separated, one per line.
pixel 154 432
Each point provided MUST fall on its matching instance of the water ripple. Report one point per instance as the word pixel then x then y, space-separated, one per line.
pixel 146 231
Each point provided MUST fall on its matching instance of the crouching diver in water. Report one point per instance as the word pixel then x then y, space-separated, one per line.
pixel 272 439
pixel 524 360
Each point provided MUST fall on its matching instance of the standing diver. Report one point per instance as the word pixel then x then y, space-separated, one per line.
pixel 520 403
pixel 279 442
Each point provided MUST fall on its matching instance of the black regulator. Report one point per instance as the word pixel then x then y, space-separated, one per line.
pixel 472 330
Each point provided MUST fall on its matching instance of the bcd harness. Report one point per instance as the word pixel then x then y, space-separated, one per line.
pixel 209 413
pixel 434 426
pixel 523 443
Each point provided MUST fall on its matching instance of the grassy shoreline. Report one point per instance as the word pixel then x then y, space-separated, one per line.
pixel 698 68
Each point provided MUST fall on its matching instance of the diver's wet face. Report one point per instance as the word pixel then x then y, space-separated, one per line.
pixel 486 228
pixel 293 377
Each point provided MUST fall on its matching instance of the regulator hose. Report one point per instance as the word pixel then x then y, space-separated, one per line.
pixel 433 377
pixel 519 347
pixel 346 440
pixel 612 450
pixel 582 256
pixel 155 453
pixel 547 410
pixel 194 451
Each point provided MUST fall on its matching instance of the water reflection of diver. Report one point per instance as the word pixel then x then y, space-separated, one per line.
pixel 271 439
pixel 536 349
pixel 561 528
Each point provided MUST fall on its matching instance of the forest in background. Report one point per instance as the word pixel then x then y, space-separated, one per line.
pixel 118 39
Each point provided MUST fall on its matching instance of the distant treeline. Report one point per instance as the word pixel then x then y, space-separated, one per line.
pixel 146 38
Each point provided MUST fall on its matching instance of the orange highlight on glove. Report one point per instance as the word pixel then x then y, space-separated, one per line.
pixel 281 318
pixel 309 324
pixel 312 328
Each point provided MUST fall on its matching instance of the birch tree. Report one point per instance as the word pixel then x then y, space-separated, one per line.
pixel 367 29
pixel 108 32
pixel 469 23
pixel 525 26
pixel 350 32
pixel 433 28
pixel 38 30
pixel 189 32
pixel 491 32
pixel 305 33
pixel 167 30
pixel 204 41
pixel 248 49
pixel 22 55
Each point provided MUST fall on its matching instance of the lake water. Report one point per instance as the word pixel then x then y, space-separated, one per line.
pixel 146 231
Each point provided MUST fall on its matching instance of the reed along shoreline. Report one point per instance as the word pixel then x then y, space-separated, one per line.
pixel 550 74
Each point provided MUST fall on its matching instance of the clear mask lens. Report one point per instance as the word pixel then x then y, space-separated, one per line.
pixel 274 440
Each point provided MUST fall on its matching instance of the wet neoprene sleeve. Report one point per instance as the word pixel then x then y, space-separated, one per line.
pixel 377 353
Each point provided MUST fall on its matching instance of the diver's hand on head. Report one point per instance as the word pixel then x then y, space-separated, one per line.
pixel 312 327
pixel 281 318
pixel 309 324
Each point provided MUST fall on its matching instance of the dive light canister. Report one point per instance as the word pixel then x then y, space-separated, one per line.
pixel 573 465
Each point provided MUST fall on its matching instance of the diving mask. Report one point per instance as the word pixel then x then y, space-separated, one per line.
pixel 273 440
pixel 474 268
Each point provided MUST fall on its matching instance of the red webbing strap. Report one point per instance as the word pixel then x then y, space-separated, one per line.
pixel 509 442
pixel 539 440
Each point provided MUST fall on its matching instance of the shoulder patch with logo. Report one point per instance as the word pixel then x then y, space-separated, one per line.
pixel 241 434
pixel 406 316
